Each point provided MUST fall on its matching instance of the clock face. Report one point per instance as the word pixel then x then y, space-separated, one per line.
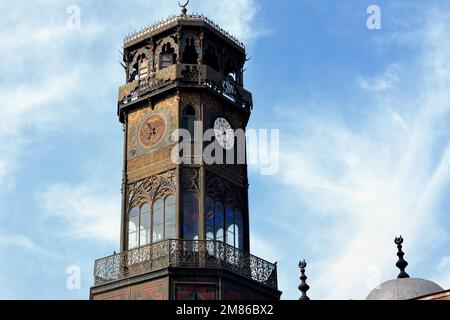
pixel 224 133
pixel 152 130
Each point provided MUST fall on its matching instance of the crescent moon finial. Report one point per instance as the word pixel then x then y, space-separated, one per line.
pixel 183 7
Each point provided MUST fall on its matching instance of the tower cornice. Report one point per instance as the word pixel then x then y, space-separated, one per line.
pixel 188 20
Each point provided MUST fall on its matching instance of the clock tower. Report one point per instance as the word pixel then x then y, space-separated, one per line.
pixel 184 224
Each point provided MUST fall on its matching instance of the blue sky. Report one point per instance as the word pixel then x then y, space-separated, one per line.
pixel 363 117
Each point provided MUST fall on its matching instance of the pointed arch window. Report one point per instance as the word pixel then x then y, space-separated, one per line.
pixel 211 58
pixel 190 216
pixel 219 221
pixel 152 223
pixel 223 223
pixel 209 216
pixel 167 56
pixel 170 218
pixel 133 228
pixel 188 121
pixel 230 227
pixel 144 225
pixel 239 230
pixel 190 55
pixel 143 68
pixel 158 220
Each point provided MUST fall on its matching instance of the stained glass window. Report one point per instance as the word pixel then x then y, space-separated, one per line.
pixel 209 217
pixel 190 216
pixel 219 221
pixel 239 236
pixel 230 225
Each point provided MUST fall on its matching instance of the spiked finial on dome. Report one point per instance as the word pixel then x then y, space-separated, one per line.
pixel 303 287
pixel 401 263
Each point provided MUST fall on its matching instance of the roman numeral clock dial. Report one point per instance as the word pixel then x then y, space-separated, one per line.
pixel 224 133
pixel 152 131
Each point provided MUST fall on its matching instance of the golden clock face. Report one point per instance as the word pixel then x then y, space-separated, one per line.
pixel 152 130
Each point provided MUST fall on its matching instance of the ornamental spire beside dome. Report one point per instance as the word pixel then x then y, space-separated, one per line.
pixel 401 263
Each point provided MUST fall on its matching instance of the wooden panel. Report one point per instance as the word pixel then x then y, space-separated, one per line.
pixel 157 290
pixel 121 294
pixel 195 291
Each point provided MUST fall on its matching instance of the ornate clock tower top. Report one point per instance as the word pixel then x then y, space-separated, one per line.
pixel 184 226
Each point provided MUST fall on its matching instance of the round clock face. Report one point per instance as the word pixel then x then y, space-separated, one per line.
pixel 224 133
pixel 152 130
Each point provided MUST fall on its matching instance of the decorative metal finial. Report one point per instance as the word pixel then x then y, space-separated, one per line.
pixel 303 287
pixel 183 7
pixel 401 263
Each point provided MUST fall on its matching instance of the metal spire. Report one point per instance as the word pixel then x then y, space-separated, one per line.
pixel 183 7
pixel 303 287
pixel 401 263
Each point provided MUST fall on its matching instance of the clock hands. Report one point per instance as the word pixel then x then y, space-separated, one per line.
pixel 152 131
pixel 224 133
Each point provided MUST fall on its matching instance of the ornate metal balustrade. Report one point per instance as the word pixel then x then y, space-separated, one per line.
pixel 184 253
pixel 193 74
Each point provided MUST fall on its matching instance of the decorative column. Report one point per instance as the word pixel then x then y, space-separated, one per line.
pixel 401 263
pixel 303 287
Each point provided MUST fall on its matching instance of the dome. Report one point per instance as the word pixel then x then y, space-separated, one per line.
pixel 404 289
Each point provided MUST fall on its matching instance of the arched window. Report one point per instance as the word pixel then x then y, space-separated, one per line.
pixel 143 67
pixel 219 221
pixel 133 228
pixel 188 121
pixel 144 225
pixel 209 223
pixel 190 216
pixel 230 227
pixel 170 218
pixel 210 58
pixel 167 56
pixel 190 55
pixel 150 224
pixel 239 236
pixel 158 220
pixel 223 224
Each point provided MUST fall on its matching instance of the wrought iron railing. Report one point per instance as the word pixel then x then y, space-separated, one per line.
pixel 188 74
pixel 184 253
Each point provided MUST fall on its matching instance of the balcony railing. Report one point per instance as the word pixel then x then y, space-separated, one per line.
pixel 184 253
pixel 193 74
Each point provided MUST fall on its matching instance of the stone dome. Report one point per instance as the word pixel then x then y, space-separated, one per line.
pixel 404 289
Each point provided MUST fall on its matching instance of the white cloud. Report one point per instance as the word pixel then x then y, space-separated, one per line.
pixel 444 264
pixel 87 211
pixel 44 76
pixel 442 271
pixel 237 17
pixel 381 82
pixel 368 185
pixel 16 240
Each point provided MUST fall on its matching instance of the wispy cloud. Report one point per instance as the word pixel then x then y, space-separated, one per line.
pixel 85 211
pixel 367 185
pixel 381 82
pixel 20 241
